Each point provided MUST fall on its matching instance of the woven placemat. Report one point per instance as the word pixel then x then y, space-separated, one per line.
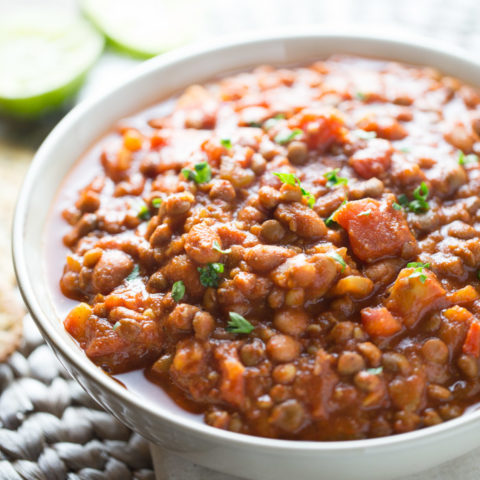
pixel 50 429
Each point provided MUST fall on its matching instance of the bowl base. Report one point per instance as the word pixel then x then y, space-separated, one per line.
pixel 169 466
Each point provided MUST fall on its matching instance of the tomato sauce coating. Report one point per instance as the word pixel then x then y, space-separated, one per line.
pixel 293 252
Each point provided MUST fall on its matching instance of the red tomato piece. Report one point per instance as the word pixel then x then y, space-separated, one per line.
pixel 321 128
pixel 375 229
pixel 411 297
pixel 472 342
pixel 232 386
pixel 379 322
pixel 373 160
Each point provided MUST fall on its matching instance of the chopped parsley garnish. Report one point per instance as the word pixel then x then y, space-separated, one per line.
pixel 420 194
pixel 396 206
pixel 365 213
pixel 420 204
pixel 135 273
pixel 405 149
pixel 117 324
pixel 178 290
pixel 360 96
pixel 364 135
pixel 466 159
pixel 238 324
pixel 330 221
pixel 418 265
pixel 156 202
pixel 201 173
pixel 419 271
pixel 210 275
pixel 375 371
pixel 254 124
pixel 292 179
pixel 217 247
pixel 333 179
pixel 338 258
pixel 143 213
pixel 226 142
pixel 286 136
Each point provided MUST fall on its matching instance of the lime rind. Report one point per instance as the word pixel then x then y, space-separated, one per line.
pixel 143 28
pixel 44 58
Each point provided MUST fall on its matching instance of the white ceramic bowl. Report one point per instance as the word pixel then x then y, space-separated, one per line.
pixel 242 455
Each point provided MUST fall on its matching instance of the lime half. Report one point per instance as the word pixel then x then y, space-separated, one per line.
pixel 44 57
pixel 144 28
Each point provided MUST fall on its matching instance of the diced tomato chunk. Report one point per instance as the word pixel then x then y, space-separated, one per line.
pixel 373 160
pixel 411 296
pixel 472 342
pixel 458 314
pixel 232 386
pixel 76 321
pixel 321 128
pixel 379 322
pixel 466 294
pixel 375 229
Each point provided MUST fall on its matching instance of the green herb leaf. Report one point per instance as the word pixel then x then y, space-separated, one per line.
pixel 420 204
pixel 288 178
pixel 337 257
pixel 210 275
pixel 286 136
pixel 419 271
pixel 360 96
pixel 239 324
pixel 178 290
pixel 466 159
pixel 418 265
pixel 333 179
pixel 396 206
pixel 292 179
pixel 156 202
pixel 405 149
pixel 330 221
pixel 217 247
pixel 201 173
pixel 135 273
pixel 143 213
pixel 403 200
pixel 364 135
pixel 226 142
pixel 117 324
pixel 309 196
pixel 255 124
pixel 375 371
pixel 365 213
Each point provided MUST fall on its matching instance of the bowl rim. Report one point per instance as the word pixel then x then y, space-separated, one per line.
pixel 89 369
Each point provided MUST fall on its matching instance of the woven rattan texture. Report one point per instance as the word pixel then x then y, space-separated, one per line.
pixel 52 430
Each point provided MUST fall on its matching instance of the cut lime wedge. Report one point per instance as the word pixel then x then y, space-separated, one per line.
pixel 44 57
pixel 144 28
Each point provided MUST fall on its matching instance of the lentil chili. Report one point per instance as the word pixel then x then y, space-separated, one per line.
pixel 294 252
